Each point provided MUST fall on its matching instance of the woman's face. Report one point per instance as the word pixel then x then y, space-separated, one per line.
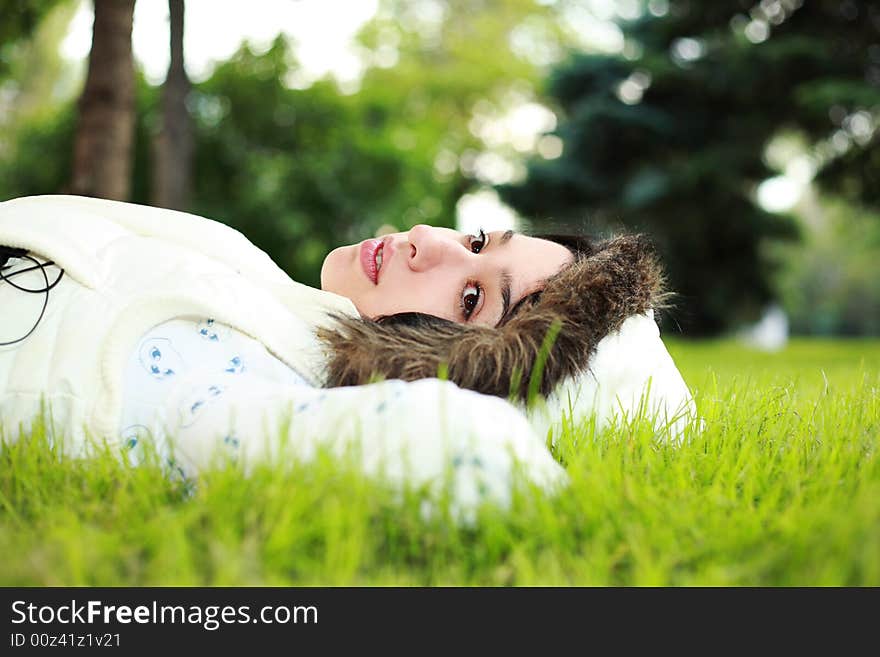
pixel 442 272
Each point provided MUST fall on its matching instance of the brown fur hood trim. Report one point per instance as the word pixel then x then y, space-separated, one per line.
pixel 584 302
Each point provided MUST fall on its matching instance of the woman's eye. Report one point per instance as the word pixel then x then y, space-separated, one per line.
pixel 478 243
pixel 470 300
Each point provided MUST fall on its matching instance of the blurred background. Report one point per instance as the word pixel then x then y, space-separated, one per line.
pixel 742 136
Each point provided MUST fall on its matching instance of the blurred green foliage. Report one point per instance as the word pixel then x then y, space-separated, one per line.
pixel 20 19
pixel 30 165
pixel 830 282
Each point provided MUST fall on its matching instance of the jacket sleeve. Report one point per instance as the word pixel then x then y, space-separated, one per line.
pixel 415 433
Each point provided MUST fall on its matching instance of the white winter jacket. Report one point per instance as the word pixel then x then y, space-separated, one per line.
pixel 127 268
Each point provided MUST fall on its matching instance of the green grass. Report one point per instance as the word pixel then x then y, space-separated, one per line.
pixel 782 488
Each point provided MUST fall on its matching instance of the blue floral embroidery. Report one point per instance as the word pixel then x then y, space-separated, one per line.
pixel 210 330
pixel 133 438
pixel 206 330
pixel 194 403
pixel 235 365
pixel 159 358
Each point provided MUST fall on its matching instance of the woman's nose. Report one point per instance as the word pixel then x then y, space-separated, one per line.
pixel 430 246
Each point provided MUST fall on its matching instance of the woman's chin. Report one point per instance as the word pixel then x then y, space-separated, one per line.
pixel 329 271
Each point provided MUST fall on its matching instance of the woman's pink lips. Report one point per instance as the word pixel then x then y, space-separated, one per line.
pixel 368 259
pixel 368 251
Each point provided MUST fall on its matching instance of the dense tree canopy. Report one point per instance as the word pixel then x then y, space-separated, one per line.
pixel 20 20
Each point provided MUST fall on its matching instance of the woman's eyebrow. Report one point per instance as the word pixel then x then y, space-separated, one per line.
pixel 505 293
pixel 505 279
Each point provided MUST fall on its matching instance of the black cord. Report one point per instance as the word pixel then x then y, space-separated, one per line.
pixel 8 252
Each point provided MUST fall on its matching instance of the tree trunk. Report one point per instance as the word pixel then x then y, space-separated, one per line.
pixel 173 147
pixel 102 151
